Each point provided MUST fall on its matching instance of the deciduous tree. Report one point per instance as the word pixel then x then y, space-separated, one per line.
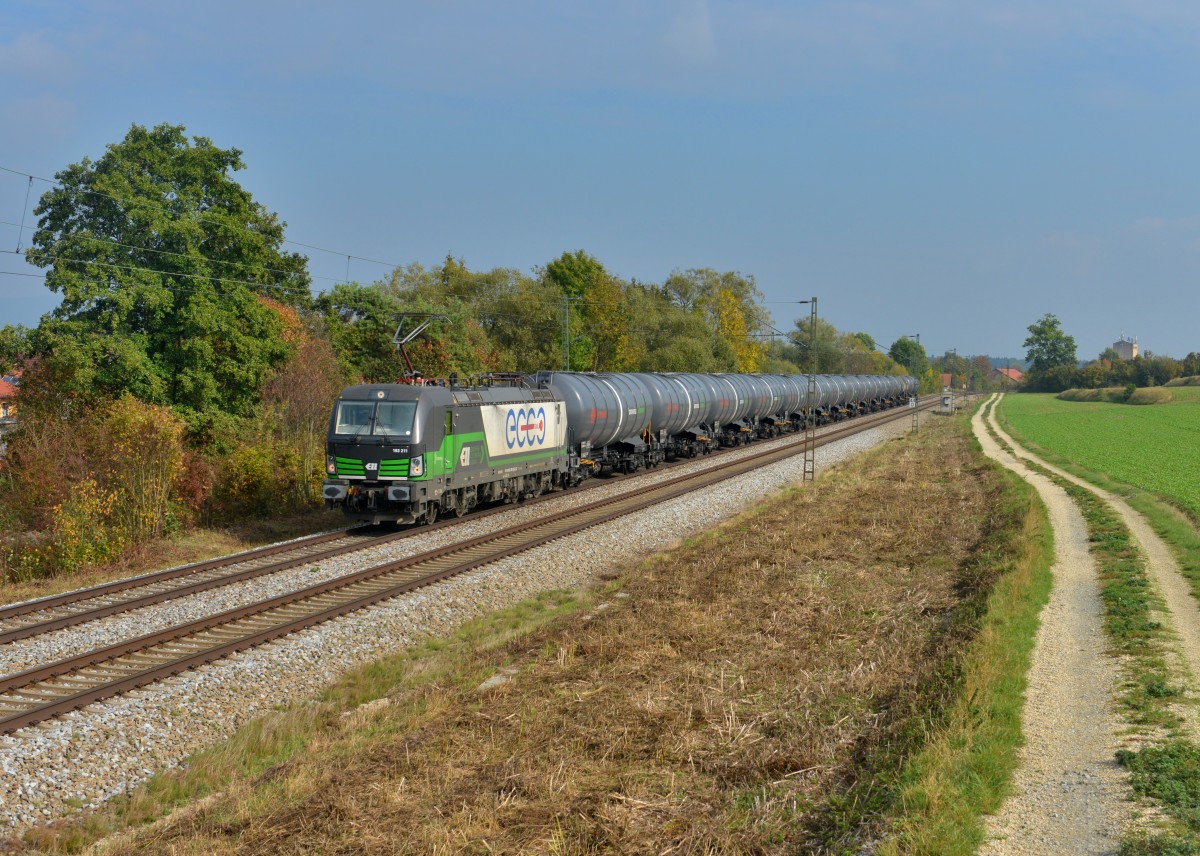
pixel 911 355
pixel 1048 346
pixel 14 346
pixel 162 259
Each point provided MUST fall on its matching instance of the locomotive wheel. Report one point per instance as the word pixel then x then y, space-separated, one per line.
pixel 431 513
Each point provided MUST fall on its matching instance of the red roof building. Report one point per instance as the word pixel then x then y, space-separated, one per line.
pixel 1009 377
pixel 10 386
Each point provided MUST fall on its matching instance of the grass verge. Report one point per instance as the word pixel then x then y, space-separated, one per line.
pixel 965 770
pixel 767 687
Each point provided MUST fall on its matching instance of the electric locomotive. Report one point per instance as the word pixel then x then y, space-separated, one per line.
pixel 407 453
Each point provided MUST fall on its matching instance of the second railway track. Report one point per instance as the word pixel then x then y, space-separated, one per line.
pixel 52 689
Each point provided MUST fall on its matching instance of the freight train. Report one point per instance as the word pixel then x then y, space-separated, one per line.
pixel 409 452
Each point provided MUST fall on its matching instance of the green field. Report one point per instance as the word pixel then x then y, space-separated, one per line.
pixel 1156 448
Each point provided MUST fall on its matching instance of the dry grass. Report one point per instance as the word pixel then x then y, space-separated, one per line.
pixel 192 546
pixel 756 690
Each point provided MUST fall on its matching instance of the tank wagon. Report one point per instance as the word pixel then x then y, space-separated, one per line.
pixel 408 453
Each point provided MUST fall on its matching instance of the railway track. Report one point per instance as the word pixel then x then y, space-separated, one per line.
pixel 52 689
pixel 69 609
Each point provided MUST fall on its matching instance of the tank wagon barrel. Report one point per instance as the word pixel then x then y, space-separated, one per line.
pixel 410 452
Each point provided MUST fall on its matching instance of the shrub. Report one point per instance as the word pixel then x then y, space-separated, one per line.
pixel 140 447
pixel 1119 395
pixel 91 484
pixel 257 479
pixel 1151 395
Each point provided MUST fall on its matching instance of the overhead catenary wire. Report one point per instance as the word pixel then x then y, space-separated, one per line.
pixel 171 253
pixel 202 276
pixel 24 208
pixel 256 284
pixel 315 247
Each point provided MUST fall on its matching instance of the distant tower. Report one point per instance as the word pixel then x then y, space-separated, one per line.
pixel 1126 348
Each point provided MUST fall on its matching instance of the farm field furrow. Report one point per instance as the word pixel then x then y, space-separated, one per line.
pixel 1156 448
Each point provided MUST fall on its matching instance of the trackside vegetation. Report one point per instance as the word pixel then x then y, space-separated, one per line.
pixel 758 689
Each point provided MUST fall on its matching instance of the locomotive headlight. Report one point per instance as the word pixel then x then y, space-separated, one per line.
pixel 330 465
pixel 416 466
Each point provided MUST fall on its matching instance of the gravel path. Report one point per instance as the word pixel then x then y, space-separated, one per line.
pixel 1182 614
pixel 87 757
pixel 1070 795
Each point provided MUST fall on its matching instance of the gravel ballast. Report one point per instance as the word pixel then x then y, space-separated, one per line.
pixel 82 759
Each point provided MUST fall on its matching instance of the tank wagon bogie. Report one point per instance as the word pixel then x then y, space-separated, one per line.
pixel 410 453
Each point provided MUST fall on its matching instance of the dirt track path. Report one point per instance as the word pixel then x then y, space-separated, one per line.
pixel 1069 795
pixel 1183 611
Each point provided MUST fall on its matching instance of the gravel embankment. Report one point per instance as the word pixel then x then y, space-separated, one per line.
pixel 87 757
pixel 1069 793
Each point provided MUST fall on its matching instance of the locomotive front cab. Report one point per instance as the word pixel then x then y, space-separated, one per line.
pixel 376 464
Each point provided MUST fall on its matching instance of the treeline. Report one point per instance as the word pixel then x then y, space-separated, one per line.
pixel 1109 370
pixel 187 375
pixel 1053 366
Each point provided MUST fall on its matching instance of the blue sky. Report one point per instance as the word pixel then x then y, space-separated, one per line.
pixel 945 167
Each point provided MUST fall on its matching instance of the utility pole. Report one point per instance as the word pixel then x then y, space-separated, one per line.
pixel 810 415
pixel 566 333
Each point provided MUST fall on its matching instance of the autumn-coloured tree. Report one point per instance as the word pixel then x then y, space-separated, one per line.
pixel 732 329
pixel 302 392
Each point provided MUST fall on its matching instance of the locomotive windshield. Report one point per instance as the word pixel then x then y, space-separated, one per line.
pixel 353 416
pixel 395 418
pixel 385 418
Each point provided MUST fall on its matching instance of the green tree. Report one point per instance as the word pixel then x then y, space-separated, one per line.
pixel 673 337
pixel 979 374
pixel 867 340
pixel 1048 346
pixel 824 354
pixel 14 346
pixel 361 320
pixel 910 354
pixel 600 313
pixel 163 262
pixel 574 273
